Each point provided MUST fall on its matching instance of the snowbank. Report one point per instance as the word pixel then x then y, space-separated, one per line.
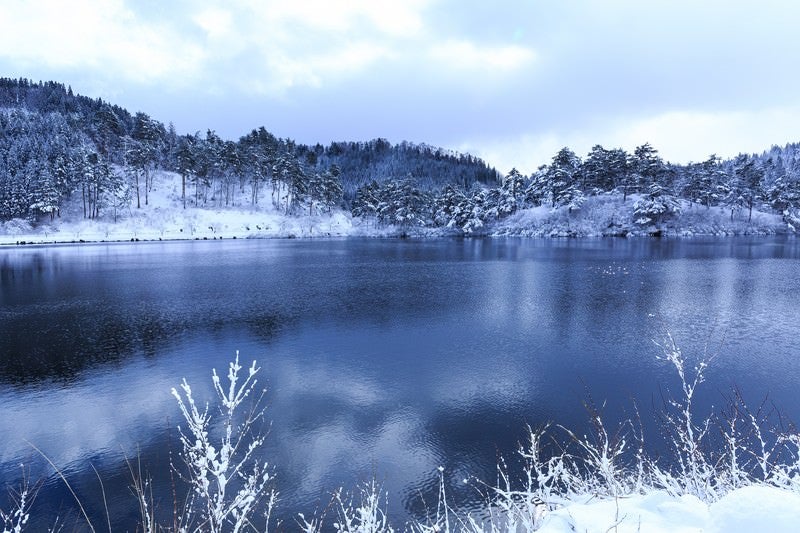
pixel 745 510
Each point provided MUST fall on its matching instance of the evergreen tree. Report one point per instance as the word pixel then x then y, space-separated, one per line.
pixel 562 180
pixel 512 192
pixel 646 166
pixel 655 207
pixel 366 201
pixel 186 158
pixel 745 185
pixel 703 182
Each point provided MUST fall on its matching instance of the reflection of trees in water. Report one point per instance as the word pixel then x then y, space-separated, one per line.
pixel 61 342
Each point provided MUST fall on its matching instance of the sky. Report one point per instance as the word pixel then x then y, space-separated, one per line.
pixel 509 81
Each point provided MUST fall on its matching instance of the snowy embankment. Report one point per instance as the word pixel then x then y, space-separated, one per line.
pixel 608 215
pixel 744 510
pixel 164 217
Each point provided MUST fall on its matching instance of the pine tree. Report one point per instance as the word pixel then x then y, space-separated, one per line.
pixel 512 192
pixel 745 185
pixel 562 179
pixel 647 168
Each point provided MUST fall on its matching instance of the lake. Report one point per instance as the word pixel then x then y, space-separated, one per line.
pixel 382 358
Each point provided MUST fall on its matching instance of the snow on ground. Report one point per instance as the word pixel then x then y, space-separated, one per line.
pixel 607 214
pixel 745 510
pixel 164 218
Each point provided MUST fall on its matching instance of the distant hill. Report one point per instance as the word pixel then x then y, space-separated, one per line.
pixel 430 167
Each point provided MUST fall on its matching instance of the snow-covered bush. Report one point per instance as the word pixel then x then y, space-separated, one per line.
pixel 16 226
pixel 228 482
pixel 368 515
pixel 655 207
pixel 15 519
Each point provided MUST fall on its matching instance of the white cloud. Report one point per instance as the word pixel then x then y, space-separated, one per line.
pixel 286 45
pixel 267 46
pixel 679 136
pixel 465 54
pixel 217 23
pixel 525 152
pixel 402 19
pixel 103 36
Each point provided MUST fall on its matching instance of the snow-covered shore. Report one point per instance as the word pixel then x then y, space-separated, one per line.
pixel 165 218
pixel 608 215
pixel 744 510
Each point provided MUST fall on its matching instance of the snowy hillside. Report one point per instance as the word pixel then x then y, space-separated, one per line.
pixel 164 218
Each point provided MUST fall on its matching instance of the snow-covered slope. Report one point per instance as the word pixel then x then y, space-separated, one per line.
pixel 165 218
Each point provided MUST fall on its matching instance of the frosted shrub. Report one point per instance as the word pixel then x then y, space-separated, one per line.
pixel 787 475
pixel 440 522
pixel 366 516
pixel 696 472
pixel 228 482
pixel 14 520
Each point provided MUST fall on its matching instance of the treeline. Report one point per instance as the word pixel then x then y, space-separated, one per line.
pixel 770 182
pixel 54 143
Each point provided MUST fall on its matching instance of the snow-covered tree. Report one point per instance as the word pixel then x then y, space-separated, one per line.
pixel 562 177
pixel 655 207
pixel 448 206
pixel 745 185
pixel 703 182
pixel 324 191
pixel 366 201
pixel 187 155
pixel 512 192
pixel 404 204
pixel 536 192
pixel 647 168
pixel 603 170
pixel 148 136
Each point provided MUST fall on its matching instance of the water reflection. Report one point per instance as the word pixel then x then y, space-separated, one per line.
pixel 383 358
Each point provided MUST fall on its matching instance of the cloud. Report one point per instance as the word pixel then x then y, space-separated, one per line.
pixel 105 37
pixel 679 136
pixel 465 54
pixel 217 23
pixel 525 152
pixel 509 81
pixel 398 19
pixel 274 46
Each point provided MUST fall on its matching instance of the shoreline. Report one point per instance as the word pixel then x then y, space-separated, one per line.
pixel 38 242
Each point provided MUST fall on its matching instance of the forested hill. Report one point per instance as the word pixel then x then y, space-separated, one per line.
pixel 56 146
pixel 430 167
pixel 54 142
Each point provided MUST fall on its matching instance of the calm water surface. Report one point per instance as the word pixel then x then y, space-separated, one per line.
pixel 382 358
